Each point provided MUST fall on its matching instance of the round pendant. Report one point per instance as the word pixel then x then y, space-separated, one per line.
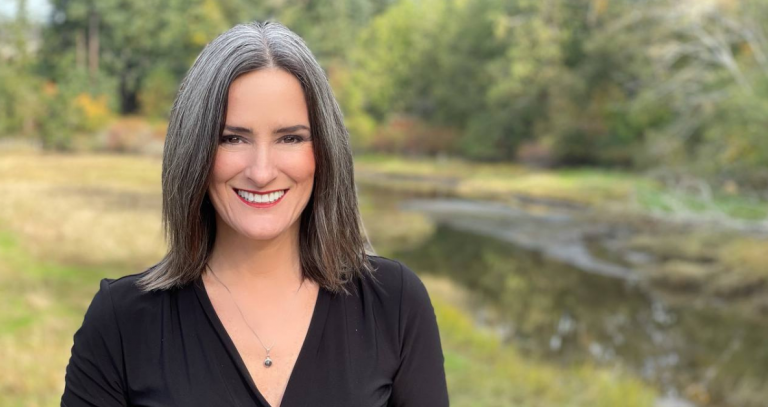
pixel 267 362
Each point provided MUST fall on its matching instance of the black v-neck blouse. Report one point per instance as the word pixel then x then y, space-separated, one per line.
pixel 379 346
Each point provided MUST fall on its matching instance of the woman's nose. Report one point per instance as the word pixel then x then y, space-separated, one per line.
pixel 262 168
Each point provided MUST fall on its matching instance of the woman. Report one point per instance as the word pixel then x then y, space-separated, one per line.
pixel 267 296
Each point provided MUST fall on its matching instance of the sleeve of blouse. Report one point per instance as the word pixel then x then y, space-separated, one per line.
pixel 420 380
pixel 94 375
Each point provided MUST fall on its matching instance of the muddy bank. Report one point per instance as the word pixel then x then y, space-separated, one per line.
pixel 687 261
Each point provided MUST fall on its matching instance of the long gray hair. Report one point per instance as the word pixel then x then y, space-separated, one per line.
pixel 333 244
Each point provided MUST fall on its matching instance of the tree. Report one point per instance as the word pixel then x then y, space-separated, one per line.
pixel 126 39
pixel 711 72
pixel 20 100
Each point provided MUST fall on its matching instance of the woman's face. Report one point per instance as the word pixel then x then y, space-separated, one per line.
pixel 265 165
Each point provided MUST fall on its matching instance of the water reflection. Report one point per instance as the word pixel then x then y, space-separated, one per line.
pixel 553 310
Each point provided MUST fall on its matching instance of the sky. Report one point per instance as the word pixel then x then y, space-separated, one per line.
pixel 39 10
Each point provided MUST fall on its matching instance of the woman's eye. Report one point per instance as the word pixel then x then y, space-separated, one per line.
pixel 230 139
pixel 293 139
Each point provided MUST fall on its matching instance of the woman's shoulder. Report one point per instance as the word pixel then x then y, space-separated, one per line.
pixel 392 271
pixel 396 281
pixel 126 288
pixel 126 297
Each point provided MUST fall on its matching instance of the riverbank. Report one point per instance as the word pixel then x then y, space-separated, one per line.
pixel 599 188
pixel 689 250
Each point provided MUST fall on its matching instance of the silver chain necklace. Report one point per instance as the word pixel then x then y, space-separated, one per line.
pixel 267 360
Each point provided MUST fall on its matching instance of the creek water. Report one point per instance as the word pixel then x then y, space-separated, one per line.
pixel 554 285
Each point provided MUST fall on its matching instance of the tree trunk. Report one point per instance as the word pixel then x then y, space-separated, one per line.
pixel 129 101
pixel 80 47
pixel 93 46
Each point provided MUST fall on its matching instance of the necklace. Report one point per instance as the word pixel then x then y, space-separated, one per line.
pixel 267 360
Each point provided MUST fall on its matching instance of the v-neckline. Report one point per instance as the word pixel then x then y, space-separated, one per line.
pixel 306 354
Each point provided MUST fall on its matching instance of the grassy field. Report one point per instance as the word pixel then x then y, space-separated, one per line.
pixel 614 189
pixel 68 221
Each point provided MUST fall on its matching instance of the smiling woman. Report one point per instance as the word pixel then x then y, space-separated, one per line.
pixel 257 160
pixel 270 294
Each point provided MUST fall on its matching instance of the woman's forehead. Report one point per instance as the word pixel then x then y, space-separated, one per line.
pixel 266 100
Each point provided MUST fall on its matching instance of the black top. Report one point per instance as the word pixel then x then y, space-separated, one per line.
pixel 379 346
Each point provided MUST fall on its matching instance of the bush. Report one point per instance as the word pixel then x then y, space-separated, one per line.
pixel 407 134
pixel 132 134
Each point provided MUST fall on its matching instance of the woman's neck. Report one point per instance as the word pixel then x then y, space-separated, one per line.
pixel 272 265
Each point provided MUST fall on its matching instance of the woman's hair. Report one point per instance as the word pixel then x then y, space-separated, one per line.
pixel 333 244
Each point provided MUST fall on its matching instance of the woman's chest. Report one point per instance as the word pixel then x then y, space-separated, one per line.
pixel 269 371
pixel 184 356
pixel 269 343
pixel 211 376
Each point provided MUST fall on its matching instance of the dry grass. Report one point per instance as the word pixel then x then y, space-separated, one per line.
pixel 728 265
pixel 502 180
pixel 83 209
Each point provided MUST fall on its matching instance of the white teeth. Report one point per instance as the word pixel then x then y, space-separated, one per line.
pixel 257 198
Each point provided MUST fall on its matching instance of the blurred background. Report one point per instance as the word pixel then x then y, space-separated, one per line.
pixel 581 184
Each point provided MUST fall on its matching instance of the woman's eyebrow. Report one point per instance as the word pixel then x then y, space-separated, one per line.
pixel 248 130
pixel 291 129
pixel 236 129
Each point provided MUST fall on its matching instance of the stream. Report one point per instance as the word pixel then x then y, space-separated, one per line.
pixel 560 288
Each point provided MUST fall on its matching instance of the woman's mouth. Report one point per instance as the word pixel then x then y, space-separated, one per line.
pixel 260 200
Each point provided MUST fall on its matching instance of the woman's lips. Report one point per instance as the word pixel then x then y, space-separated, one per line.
pixel 260 192
pixel 261 204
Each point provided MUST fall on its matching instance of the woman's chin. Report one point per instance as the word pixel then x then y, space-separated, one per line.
pixel 261 235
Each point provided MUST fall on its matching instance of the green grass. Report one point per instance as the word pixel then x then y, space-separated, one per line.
pixel 43 304
pixel 654 198
pixel 481 371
